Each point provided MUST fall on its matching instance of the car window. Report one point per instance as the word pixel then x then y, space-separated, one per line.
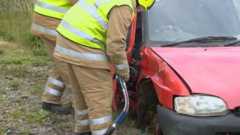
pixel 180 20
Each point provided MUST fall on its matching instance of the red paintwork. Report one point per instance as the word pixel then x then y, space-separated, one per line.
pixel 184 71
pixel 166 82
pixel 213 71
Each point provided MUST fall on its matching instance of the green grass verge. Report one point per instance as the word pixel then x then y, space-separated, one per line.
pixel 15 26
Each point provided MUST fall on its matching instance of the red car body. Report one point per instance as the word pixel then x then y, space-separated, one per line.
pixel 185 71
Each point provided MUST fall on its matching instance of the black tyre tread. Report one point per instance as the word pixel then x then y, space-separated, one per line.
pixel 147 102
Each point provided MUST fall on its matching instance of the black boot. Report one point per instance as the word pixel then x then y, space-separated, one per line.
pixel 86 133
pixel 55 108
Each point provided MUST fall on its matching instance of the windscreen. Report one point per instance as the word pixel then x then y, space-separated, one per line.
pixel 180 20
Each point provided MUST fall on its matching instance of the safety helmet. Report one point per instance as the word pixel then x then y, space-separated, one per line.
pixel 146 4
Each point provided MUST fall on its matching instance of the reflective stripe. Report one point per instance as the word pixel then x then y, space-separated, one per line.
pixel 45 30
pixel 84 122
pixel 82 112
pixel 79 33
pixel 52 7
pixel 101 120
pixel 78 55
pixel 55 82
pixel 99 132
pixel 54 92
pixel 122 66
pixel 93 122
pixel 101 2
pixel 93 11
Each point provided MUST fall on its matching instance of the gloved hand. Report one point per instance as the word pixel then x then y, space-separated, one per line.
pixel 123 71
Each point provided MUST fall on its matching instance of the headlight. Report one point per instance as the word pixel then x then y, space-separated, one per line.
pixel 200 105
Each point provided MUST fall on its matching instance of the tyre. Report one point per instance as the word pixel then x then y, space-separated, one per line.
pixel 146 105
pixel 157 130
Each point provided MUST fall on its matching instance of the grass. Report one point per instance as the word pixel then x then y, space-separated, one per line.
pixel 23 72
pixel 22 83
pixel 15 20
pixel 38 117
pixel 15 25
pixel 16 59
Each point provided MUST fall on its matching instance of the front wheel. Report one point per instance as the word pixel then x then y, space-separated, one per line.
pixel 157 129
pixel 146 105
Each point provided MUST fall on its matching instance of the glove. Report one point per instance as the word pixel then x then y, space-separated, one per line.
pixel 123 71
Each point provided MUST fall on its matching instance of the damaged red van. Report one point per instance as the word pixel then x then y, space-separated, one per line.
pixel 185 67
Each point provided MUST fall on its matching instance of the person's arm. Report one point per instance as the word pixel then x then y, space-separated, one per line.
pixel 119 23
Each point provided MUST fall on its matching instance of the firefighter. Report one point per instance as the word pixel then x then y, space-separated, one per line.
pixel 90 44
pixel 46 17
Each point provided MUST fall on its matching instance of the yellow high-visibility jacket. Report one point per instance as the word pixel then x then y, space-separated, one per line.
pixel 86 23
pixel 52 8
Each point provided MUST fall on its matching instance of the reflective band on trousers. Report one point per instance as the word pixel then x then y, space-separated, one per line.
pixel 52 7
pixel 100 121
pixel 78 55
pixel 84 122
pixel 99 132
pixel 53 92
pixel 122 66
pixel 81 112
pixel 93 11
pixel 44 30
pixel 79 33
pixel 97 121
pixel 55 82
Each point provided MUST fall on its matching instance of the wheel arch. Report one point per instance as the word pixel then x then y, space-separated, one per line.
pixel 149 83
pixel 147 102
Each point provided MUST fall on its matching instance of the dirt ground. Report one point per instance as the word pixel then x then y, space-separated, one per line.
pixel 23 73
